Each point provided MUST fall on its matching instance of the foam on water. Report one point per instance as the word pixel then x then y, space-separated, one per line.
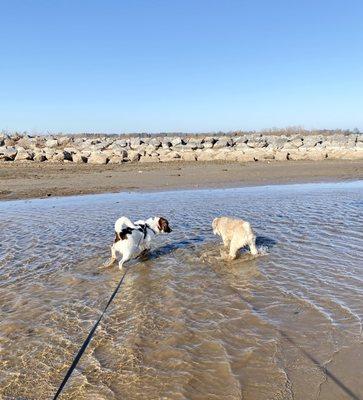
pixel 187 324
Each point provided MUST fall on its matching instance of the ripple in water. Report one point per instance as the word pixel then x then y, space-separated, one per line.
pixel 186 324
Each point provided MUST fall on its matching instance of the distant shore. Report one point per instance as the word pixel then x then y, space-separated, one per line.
pixel 38 180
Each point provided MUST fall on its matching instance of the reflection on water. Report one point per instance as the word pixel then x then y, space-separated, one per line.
pixel 186 324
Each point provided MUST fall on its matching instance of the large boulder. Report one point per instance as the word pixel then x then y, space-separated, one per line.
pixel 176 141
pixel 135 143
pixel 262 154
pixel 39 156
pixel 8 153
pixel 155 142
pixel 242 156
pixel 26 142
pixel 257 143
pixel 281 155
pixel 345 154
pixel 116 160
pixel 24 155
pixel 188 156
pixel 58 156
pixel 49 153
pixel 169 156
pixel 51 143
pixel 206 155
pixel 166 143
pixel 64 141
pixel 120 153
pixel 120 143
pixel 225 154
pixel 223 142
pixel 97 157
pixel 150 149
pixel 149 158
pixel 276 142
pixel 79 158
pixel 315 154
pixel 133 155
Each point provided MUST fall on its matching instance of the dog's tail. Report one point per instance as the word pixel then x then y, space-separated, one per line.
pixel 123 223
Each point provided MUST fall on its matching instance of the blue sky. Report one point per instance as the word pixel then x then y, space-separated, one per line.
pixel 192 66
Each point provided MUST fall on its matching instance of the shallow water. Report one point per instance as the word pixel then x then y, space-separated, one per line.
pixel 286 324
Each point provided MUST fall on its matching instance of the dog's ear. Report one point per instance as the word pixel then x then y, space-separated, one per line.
pixel 117 237
pixel 163 225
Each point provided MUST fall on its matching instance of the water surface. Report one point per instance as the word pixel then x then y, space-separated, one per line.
pixel 186 324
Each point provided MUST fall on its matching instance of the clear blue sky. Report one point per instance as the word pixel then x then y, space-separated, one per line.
pixel 130 66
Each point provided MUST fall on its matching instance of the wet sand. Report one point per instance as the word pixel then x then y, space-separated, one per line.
pixel 31 180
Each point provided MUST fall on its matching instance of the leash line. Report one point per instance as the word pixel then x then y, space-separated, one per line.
pixel 87 341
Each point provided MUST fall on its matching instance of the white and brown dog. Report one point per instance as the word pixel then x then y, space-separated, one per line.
pixel 235 234
pixel 133 238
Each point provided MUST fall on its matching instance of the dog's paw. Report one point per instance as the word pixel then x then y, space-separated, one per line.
pixel 107 264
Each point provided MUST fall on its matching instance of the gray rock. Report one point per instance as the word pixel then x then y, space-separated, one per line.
pixel 23 154
pixel 79 158
pixel 176 141
pixel 150 149
pixel 120 143
pixel 222 142
pixel 9 141
pixel 26 142
pixel 135 143
pixel 207 155
pixel 49 153
pixel 97 157
pixel 133 155
pixel 207 145
pixel 8 153
pixel 63 141
pixel 188 156
pixel 149 158
pixel 51 143
pixel 193 145
pixel 169 156
pixel 116 160
pixel 155 142
pixel 85 153
pixel 166 143
pixel 281 155
pixel 120 153
pixel 257 143
pixel 39 157
pixel 58 156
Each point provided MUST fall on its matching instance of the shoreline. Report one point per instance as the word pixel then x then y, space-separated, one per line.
pixel 41 180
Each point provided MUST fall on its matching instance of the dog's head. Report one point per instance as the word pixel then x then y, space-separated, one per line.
pixel 163 225
pixel 215 226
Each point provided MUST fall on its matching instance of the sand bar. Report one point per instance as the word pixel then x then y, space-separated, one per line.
pixel 34 180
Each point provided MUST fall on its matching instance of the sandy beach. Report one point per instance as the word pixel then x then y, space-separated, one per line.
pixel 33 180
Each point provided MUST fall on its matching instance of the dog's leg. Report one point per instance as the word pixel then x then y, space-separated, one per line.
pixel 234 247
pixel 113 257
pixel 126 256
pixel 226 242
pixel 253 248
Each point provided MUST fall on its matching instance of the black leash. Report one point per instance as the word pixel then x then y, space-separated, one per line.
pixel 87 341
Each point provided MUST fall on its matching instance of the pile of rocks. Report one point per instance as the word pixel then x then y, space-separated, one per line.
pixel 120 149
